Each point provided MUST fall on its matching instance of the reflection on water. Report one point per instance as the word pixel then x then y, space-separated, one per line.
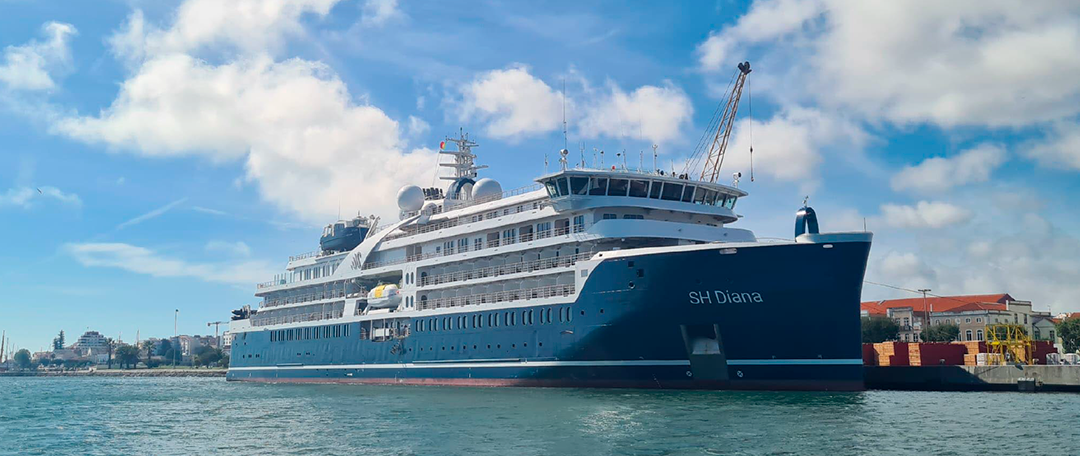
pixel 185 416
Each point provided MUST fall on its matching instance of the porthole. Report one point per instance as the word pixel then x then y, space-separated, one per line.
pixel 631 285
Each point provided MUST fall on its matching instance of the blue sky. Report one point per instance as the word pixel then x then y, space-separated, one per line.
pixel 184 149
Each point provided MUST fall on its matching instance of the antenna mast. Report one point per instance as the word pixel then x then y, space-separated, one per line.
pixel 564 141
pixel 715 155
pixel 464 163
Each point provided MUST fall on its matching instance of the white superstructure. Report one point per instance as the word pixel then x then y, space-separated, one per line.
pixel 476 245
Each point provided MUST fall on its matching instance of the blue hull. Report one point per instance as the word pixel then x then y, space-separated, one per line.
pixel 763 317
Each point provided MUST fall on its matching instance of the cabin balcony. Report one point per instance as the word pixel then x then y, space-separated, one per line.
pixel 548 291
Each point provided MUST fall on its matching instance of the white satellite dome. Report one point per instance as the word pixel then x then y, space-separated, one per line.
pixel 487 189
pixel 410 198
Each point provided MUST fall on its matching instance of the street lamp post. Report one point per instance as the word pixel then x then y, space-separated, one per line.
pixel 176 315
pixel 926 311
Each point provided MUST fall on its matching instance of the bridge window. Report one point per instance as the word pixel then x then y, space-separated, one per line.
pixel 618 187
pixel 552 191
pixel 699 195
pixel 579 185
pixel 561 182
pixel 654 190
pixel 633 217
pixel 730 203
pixel 598 186
pixel 639 188
pixel 610 216
pixel 671 192
pixel 688 194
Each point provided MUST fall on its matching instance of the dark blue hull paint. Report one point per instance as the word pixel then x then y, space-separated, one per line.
pixel 632 326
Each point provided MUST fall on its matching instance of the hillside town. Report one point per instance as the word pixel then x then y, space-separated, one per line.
pixel 93 350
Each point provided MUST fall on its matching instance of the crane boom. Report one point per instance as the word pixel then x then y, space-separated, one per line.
pixel 715 158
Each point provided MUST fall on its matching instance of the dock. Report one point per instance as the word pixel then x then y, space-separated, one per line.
pixel 1011 377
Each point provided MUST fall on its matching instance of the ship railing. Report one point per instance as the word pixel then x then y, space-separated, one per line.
pixel 304 256
pixel 489 244
pixel 309 297
pixel 505 269
pixel 498 296
pixel 298 318
pixel 412 230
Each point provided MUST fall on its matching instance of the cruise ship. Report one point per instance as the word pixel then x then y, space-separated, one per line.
pixel 591 277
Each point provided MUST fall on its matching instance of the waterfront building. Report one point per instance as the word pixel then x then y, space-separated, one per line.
pixel 189 344
pixel 91 341
pixel 972 313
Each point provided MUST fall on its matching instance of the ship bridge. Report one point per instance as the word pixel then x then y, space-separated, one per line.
pixel 577 189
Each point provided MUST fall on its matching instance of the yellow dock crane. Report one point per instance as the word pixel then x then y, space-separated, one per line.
pixel 1008 344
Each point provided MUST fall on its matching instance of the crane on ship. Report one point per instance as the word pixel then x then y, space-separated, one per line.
pixel 714 141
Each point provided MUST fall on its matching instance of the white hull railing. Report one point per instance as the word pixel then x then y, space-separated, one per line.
pixel 505 269
pixel 298 318
pixel 309 297
pixel 413 230
pixel 527 237
pixel 498 296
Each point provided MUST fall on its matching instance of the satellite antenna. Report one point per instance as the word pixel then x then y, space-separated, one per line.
pixel 735 178
pixel 655 169
pixel 564 114
pixel 562 158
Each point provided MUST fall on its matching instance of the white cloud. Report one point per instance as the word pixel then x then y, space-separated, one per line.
pixel 1061 147
pixel 27 67
pixel 24 196
pixel 512 102
pixel 964 62
pixel 151 215
pixel 249 26
pixel 306 144
pixel 789 146
pixel 417 127
pixel 938 174
pixel 656 114
pixel 379 12
pixel 765 20
pixel 924 214
pixel 238 248
pixel 903 269
pixel 141 260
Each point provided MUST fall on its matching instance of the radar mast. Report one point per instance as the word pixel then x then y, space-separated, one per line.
pixel 464 164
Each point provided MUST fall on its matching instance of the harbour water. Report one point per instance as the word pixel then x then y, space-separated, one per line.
pixel 210 416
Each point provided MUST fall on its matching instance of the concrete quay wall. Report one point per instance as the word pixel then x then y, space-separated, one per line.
pixel 973 378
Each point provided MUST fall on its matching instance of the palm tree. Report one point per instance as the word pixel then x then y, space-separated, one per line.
pixel 111 345
pixel 148 345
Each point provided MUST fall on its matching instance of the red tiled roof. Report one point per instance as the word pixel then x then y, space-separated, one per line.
pixel 974 306
pixel 938 304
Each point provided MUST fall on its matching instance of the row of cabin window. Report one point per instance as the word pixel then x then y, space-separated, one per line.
pixel 511 235
pixel 310 333
pixel 492 320
pixel 669 191
pixel 314 273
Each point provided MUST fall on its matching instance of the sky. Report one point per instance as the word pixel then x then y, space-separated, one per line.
pixel 168 155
